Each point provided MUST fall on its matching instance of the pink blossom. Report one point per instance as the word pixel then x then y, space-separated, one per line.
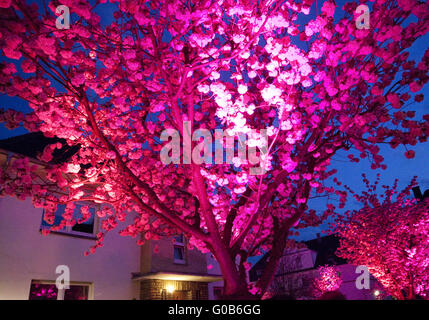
pixel 410 154
pixel 415 87
pixel 73 168
pixel 328 8
pixel 271 93
pixel 5 3
pixel 393 98
pixel 78 79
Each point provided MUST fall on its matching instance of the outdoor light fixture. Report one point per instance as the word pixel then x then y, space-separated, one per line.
pixel 376 293
pixel 170 288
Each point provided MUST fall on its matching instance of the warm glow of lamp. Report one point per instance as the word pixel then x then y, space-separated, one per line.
pixel 376 293
pixel 170 288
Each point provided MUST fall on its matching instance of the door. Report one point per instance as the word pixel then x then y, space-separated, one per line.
pixel 182 295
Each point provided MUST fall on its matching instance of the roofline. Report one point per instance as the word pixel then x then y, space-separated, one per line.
pixel 307 269
pixel 18 155
pixel 260 261
pixel 177 276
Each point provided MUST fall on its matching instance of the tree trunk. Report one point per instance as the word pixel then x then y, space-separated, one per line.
pixel 411 295
pixel 272 264
pixel 234 287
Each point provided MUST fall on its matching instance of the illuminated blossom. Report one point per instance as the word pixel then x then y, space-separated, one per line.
pixel 110 87
pixel 329 280
pixel 389 235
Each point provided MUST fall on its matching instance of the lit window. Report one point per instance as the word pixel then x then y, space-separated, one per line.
pixel 179 249
pixel 43 291
pixel 47 290
pixel 84 228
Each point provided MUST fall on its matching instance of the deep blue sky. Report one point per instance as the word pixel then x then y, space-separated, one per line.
pixel 349 173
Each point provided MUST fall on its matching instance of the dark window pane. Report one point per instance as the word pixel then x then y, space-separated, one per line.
pixel 58 216
pixel 86 227
pixel 178 253
pixel 217 291
pixel 76 293
pixel 40 291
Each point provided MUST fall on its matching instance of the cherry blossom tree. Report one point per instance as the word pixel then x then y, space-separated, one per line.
pixel 328 280
pixel 112 85
pixel 389 235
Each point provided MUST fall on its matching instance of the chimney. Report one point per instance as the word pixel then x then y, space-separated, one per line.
pixel 417 193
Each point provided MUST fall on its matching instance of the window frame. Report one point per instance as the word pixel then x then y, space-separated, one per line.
pixel 68 231
pixel 218 292
pixel 61 292
pixel 181 246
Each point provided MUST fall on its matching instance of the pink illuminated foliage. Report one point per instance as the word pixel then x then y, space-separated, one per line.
pixel 329 280
pixel 389 235
pixel 40 291
pixel 318 87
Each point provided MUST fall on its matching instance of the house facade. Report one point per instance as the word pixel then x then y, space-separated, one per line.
pixel 215 287
pixel 32 263
pixel 29 261
pixel 298 268
pixel 174 272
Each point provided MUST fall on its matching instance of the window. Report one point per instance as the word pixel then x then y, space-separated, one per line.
pixel 218 293
pixel 298 282
pixel 43 291
pixel 47 290
pixel 298 263
pixel 163 294
pixel 76 292
pixel 86 228
pixel 179 249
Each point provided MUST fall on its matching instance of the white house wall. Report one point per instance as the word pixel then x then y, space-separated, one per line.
pixel 348 285
pixel 301 263
pixel 25 254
